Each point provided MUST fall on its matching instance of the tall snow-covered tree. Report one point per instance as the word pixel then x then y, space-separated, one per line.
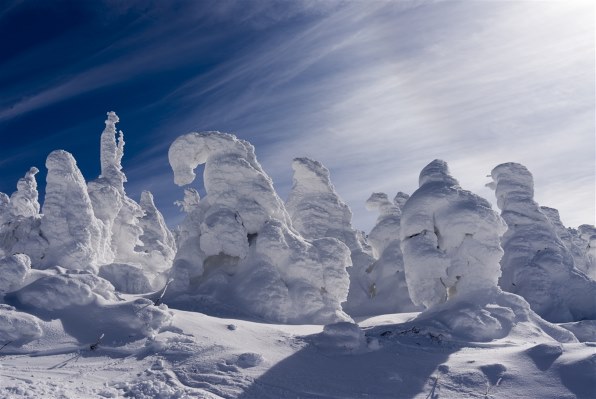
pixel 239 247
pixel 450 239
pixel 537 265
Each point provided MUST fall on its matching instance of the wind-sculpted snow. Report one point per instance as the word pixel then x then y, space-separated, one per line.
pixel 449 239
pixel 18 328
pixel 537 265
pixel 384 280
pixel 111 154
pixel 237 244
pixel 13 270
pixel 24 201
pixel 585 238
pixel 20 220
pixel 132 233
pixel 73 232
pixel 61 291
pixel 486 315
pixel 126 278
pixel 158 240
pixel 572 241
pixel 317 211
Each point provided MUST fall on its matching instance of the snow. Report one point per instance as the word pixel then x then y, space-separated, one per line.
pixel 73 232
pixel 450 239
pixel 251 297
pixel 13 269
pixel 237 245
pixel 537 264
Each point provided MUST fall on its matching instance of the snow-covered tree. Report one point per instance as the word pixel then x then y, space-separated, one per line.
pixel 317 211
pixel 20 220
pixel 450 239
pixel 537 265
pixel 24 201
pixel 73 232
pixel 237 244
pixel 386 281
pixel 124 220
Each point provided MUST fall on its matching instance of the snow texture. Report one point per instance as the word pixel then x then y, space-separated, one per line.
pixel 24 201
pixel 13 270
pixel 73 232
pixel 20 220
pixel 384 281
pixel 537 264
pixel 488 314
pixel 18 328
pixel 237 244
pixel 450 239
pixel 125 278
pixel 317 211
pixel 132 233
pixel 61 291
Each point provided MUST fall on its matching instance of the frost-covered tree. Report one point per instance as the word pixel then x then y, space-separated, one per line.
pixel 585 238
pixel 24 201
pixel 537 265
pixel 20 220
pixel 124 220
pixel 73 232
pixel 237 245
pixel 157 240
pixel 572 240
pixel 449 239
pixel 317 211
pixel 386 281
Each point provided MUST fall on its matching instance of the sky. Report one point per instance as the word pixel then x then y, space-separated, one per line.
pixel 374 90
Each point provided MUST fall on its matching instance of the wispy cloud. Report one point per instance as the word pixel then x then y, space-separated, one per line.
pixel 374 90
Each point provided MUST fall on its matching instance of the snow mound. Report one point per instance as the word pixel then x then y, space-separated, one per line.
pixel 58 292
pixel 537 264
pixel 344 336
pixel 18 328
pixel 489 314
pixel 125 278
pixel 13 270
pixel 316 209
pixel 450 239
pixel 237 245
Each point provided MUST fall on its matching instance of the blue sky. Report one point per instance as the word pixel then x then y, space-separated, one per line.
pixel 373 89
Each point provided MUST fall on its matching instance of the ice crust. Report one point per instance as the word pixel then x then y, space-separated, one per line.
pixel 537 264
pixel 450 239
pixel 237 244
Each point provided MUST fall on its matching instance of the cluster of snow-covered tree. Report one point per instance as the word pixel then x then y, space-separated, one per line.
pixel 241 249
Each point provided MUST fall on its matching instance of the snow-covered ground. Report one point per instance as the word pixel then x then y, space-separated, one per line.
pixel 254 297
pixel 201 356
